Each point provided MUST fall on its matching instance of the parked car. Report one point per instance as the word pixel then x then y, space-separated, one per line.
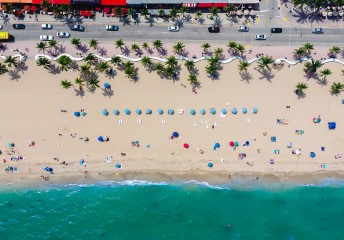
pixel 243 29
pixel 63 35
pixel 318 31
pixel 111 27
pixel 276 30
pixel 77 27
pixel 173 28
pixel 260 37
pixel 47 26
pixel 46 37
pixel 18 26
pixel 214 29
pixel 1 27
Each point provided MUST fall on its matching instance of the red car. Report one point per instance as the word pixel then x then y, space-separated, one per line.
pixel 214 29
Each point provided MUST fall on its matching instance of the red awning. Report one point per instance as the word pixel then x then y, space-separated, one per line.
pixel 113 2
pixel 220 5
pixel 204 5
pixel 190 5
pixel 33 8
pixel 37 2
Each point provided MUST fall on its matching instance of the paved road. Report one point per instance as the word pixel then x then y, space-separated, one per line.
pixel 190 33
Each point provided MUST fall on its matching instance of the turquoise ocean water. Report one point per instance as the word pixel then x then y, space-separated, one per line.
pixel 143 210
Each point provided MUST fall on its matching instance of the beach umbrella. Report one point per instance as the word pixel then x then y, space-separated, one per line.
pixel 160 111
pixel 116 112
pixel 244 110
pixel 83 114
pixel 234 111
pixel 312 154
pixel 175 134
pixel 202 111
pixel 148 111
pixel 100 139
pixel 212 111
pixel 231 143
pixel 254 110
pixel 217 145
pixel 186 145
pixel 170 111
pixel 81 161
pixel 77 114
pixel 236 144
pixel 105 112
pixel 118 165
pixel 107 86
pixel 223 111
pixel 138 111
pixel 127 111
pixel 10 144
pixel 210 165
pixel 247 143
pixel 192 111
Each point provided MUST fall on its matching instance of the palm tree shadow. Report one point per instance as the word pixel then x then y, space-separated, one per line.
pixel 150 51
pixel 126 21
pixel 137 21
pixel 54 69
pixel 246 76
pixel 201 21
pixel 14 75
pixel 198 85
pixel 74 66
pixel 188 18
pixel 83 48
pixel 218 21
pixel 61 49
pixel 108 92
pixel 322 82
pixel 194 71
pixel 102 51
pixel 4 47
pixel 139 52
pixel 126 51
pixel 151 21
pixel 301 95
pixel 79 92
pixel 111 75
pixel 162 52
pixel 266 73
pixel 22 67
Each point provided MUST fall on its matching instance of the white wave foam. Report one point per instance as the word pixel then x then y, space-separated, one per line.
pixel 205 184
pixel 140 183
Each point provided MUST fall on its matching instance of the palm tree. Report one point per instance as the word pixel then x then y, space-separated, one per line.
pixel 243 65
pixel 240 48
pixel 146 61
pixel 192 79
pixel 183 10
pixel 66 84
pixel 171 61
pixel 76 42
pixel 300 87
pixel 90 59
pixel 129 72
pixel 334 50
pixel 3 69
pixel 170 71
pixel 64 62
pixel 178 48
pixel 312 66
pixel 103 66
pixel 308 47
pixel 189 64
pixel 159 67
pixel 173 13
pixel 214 12
pixel 43 61
pixel 161 12
pixel 218 52
pixel 11 61
pixel 116 60
pixel 41 46
pixel 93 44
pixel 214 61
pixel 53 44
pixel 93 83
pixel 85 69
pixel 265 61
pixel 119 43
pixel 337 87
pixel 326 72
pixel 299 52
pixel 145 45
pixel 135 47
pixel 128 64
pixel 157 44
pixel 144 12
pixel 78 81
pixel 198 15
pixel 211 70
pixel 205 46
pixel 232 46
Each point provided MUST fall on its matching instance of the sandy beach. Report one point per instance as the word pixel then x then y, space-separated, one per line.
pixel 31 111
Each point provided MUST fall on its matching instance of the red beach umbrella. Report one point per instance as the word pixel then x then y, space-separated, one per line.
pixel 186 145
pixel 231 144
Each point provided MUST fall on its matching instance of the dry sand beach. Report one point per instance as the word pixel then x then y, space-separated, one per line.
pixel 31 111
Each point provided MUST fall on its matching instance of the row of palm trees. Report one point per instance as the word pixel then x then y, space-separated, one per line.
pixel 306 49
pixel 336 88
pixel 9 62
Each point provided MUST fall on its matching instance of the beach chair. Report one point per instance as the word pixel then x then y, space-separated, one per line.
pixel 180 111
pixel 273 139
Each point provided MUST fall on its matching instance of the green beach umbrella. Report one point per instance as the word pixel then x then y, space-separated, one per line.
pixel 236 144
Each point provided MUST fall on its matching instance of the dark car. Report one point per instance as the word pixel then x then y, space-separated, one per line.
pixel 276 30
pixel 214 29
pixel 77 27
pixel 18 26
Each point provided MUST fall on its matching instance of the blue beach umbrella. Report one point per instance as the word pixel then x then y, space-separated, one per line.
pixel 247 143
pixel 212 111
pixel 127 111
pixel 223 111
pixel 312 154
pixel 192 111
pixel 77 114
pixel 175 134
pixel 160 111
pixel 115 111
pixel 170 111
pixel 138 111
pixel 148 111
pixel 210 165
pixel 217 145
pixel 118 165
pixel 202 111
pixel 107 86
pixel 100 139
pixel 105 112
pixel 254 110
pixel 234 111
pixel 244 110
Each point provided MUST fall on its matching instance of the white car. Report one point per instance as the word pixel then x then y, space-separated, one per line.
pixel 173 28
pixel 260 37
pixel 46 26
pixel 46 37
pixel 243 29
pixel 0 27
pixel 63 35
